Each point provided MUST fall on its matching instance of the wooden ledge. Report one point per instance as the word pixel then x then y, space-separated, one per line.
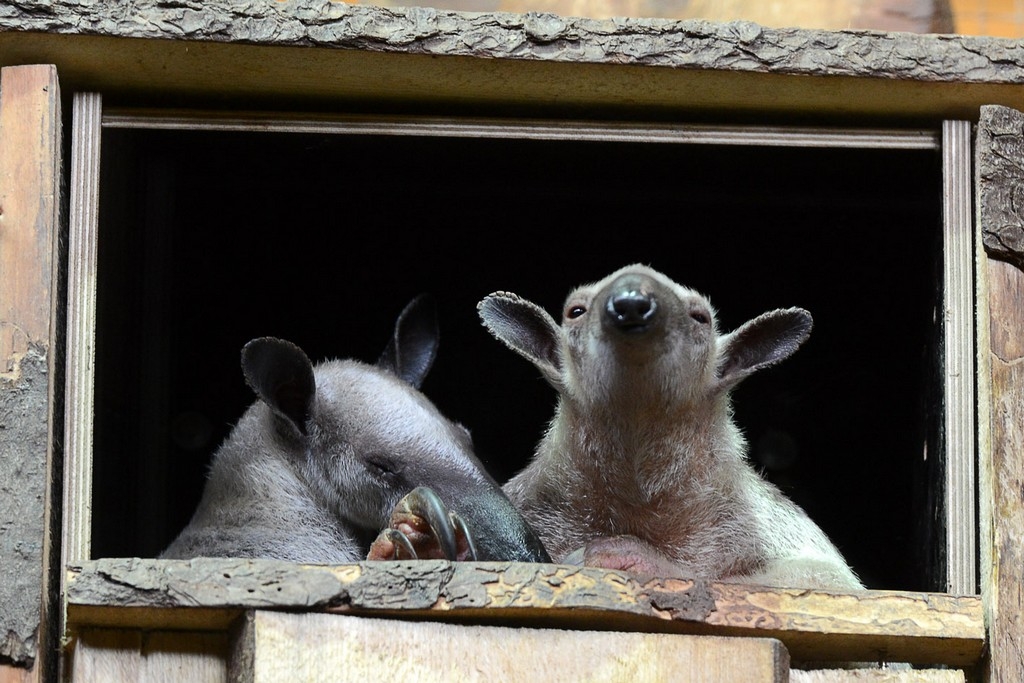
pixel 924 628
pixel 335 56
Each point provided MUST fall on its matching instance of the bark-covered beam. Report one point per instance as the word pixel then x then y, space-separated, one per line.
pixel 928 628
pixel 321 55
pixel 739 46
pixel 1000 160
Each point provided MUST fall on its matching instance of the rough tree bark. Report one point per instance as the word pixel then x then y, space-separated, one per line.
pixel 692 44
pixel 1000 172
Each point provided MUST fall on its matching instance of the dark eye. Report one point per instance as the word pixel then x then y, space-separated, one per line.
pixel 575 311
pixel 701 317
pixel 381 466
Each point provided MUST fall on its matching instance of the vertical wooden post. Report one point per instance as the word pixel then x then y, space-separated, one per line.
pixel 30 365
pixel 83 221
pixel 1004 472
pixel 958 368
pixel 1000 172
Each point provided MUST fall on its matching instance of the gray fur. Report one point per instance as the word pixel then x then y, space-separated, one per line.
pixel 642 467
pixel 313 470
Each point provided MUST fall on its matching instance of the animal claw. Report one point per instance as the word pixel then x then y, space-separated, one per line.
pixel 425 503
pixel 402 545
pixel 391 544
pixel 459 525
pixel 422 527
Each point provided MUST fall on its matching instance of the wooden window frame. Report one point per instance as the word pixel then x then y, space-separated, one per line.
pixel 936 628
pixel 31 200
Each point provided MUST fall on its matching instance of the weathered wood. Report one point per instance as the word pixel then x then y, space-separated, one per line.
pixel 877 676
pixel 1000 143
pixel 378 57
pixel 319 647
pixel 1002 472
pixel 959 431
pixel 917 16
pixel 82 270
pixel 1000 159
pixel 862 626
pixel 126 656
pixel 29 294
pixel 738 45
pixel 13 674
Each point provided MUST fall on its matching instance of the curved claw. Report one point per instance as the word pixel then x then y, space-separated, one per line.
pixel 459 525
pixel 391 544
pixel 422 501
pixel 403 548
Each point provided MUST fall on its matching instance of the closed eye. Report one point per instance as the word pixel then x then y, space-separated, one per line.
pixel 381 466
pixel 701 317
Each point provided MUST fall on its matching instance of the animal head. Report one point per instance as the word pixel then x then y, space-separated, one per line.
pixel 363 436
pixel 636 335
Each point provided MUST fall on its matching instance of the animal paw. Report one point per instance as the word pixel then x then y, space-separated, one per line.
pixel 422 527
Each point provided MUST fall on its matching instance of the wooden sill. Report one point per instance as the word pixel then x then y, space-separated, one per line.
pixel 208 594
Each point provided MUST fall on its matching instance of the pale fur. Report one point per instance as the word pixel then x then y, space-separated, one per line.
pixel 643 443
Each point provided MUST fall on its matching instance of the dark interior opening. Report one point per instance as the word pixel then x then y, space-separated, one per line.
pixel 209 239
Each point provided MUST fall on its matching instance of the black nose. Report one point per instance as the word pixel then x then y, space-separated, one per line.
pixel 631 308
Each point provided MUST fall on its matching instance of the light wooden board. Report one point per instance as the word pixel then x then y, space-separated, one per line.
pixel 13 674
pixel 82 277
pixel 321 647
pixel 126 656
pixel 918 16
pixel 878 676
pixel 271 647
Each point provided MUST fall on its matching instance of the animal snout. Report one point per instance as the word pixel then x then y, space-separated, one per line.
pixel 631 308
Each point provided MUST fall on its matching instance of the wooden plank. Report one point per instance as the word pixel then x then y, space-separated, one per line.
pixel 926 628
pixel 367 57
pixel 877 676
pixel 83 237
pixel 13 674
pixel 1000 173
pixel 131 656
pixel 919 16
pixel 30 157
pixel 1003 473
pixel 320 647
pixel 958 364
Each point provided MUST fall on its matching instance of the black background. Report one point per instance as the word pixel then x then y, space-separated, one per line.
pixel 210 239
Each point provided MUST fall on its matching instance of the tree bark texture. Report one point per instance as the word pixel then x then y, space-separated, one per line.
pixel 1000 155
pixel 691 44
pixel 928 628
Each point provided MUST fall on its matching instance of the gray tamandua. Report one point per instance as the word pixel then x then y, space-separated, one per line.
pixel 642 467
pixel 315 468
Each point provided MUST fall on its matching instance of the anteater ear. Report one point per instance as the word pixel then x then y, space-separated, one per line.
pixel 413 346
pixel 282 376
pixel 760 343
pixel 527 329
